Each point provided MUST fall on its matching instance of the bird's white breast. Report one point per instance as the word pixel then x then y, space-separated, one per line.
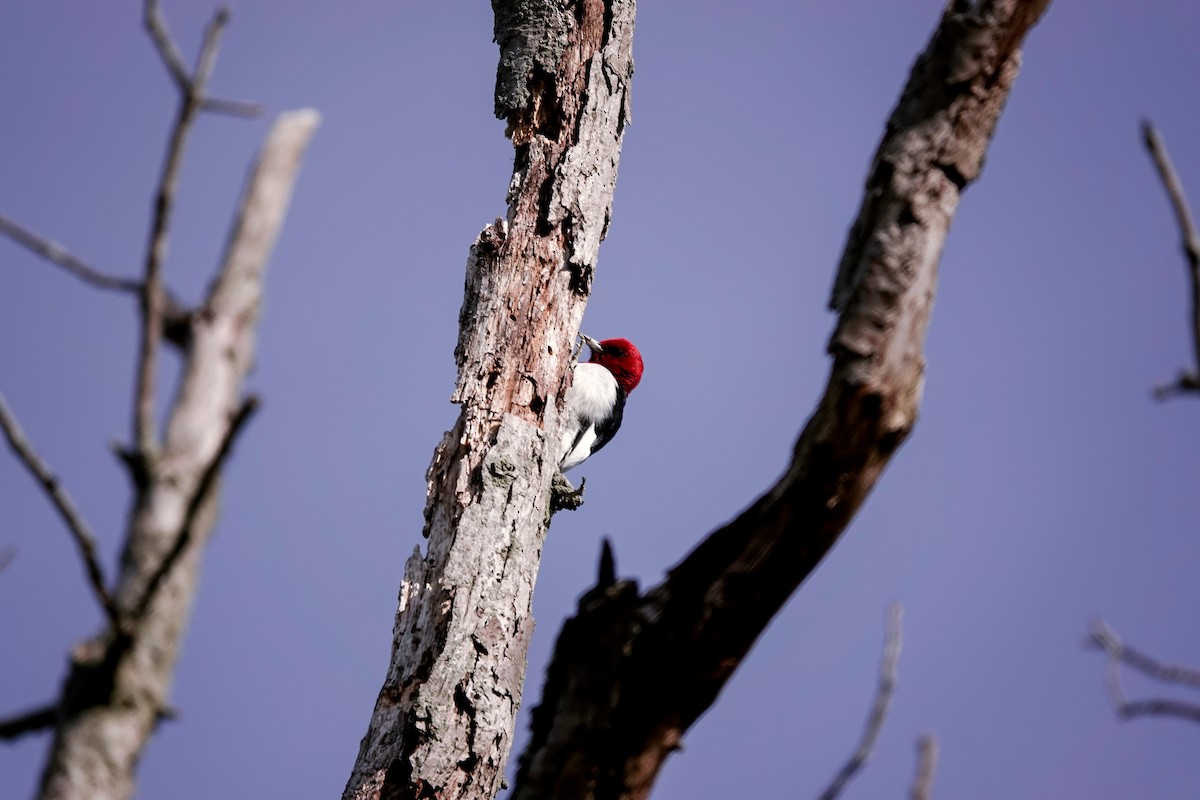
pixel 591 398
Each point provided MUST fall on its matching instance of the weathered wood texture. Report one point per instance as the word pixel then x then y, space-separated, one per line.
pixel 118 683
pixel 442 725
pixel 632 672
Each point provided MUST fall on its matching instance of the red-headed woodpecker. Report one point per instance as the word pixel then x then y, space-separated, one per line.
pixel 596 399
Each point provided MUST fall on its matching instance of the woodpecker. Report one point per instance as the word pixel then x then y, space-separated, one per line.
pixel 596 399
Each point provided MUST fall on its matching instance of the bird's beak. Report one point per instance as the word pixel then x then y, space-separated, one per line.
pixel 591 343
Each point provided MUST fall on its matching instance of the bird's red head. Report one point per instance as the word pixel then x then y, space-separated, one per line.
pixel 622 359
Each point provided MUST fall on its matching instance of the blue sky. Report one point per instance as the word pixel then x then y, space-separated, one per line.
pixel 1041 487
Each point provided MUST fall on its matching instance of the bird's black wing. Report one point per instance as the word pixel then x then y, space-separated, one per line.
pixel 607 429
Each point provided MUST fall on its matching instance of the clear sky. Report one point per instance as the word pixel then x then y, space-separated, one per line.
pixel 1042 485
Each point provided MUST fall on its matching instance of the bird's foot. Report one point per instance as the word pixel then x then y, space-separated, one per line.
pixel 565 496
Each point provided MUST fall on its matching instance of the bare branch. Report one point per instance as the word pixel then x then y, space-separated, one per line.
pixel 1160 708
pixel 33 721
pixel 205 485
pixel 97 746
pixel 233 108
pixel 6 557
pixel 172 59
pixel 927 757
pixel 1185 383
pixel 1188 381
pixel 1105 638
pixel 144 436
pixel 883 699
pixel 176 317
pixel 155 305
pixel 55 253
pixel 208 51
pixel 66 509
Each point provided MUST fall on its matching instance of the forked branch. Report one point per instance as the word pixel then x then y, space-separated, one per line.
pixel 1105 638
pixel 155 305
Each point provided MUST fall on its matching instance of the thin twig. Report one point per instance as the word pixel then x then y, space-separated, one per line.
pixel 883 699
pixel 38 719
pixel 1161 707
pixel 84 540
pixel 153 297
pixel 1105 638
pixel 1188 381
pixel 176 316
pixel 55 253
pixel 233 108
pixel 203 487
pixel 6 557
pixel 927 756
pixel 156 25
pixel 208 52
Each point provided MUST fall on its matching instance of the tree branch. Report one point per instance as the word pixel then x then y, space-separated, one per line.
pixel 154 303
pixel 680 641
pixel 57 254
pixel 199 496
pixel 116 692
pixel 1105 638
pixel 33 721
pixel 927 757
pixel 156 26
pixel 883 700
pixel 232 108
pixel 207 59
pixel 1188 380
pixel 61 501
pixel 176 317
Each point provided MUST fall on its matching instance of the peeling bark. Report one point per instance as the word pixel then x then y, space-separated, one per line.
pixel 632 672
pixel 442 725
pixel 118 683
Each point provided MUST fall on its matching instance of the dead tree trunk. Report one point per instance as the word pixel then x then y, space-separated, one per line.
pixel 442 725
pixel 118 682
pixel 633 671
pixel 117 687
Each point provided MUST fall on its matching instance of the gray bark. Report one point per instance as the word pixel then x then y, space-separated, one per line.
pixel 442 725
pixel 118 683
pixel 633 671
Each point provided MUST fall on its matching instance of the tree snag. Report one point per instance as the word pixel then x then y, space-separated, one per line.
pixel 117 686
pixel 442 725
pixel 118 681
pixel 633 671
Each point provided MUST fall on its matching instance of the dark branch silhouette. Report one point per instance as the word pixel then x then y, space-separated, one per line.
pixel 32 721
